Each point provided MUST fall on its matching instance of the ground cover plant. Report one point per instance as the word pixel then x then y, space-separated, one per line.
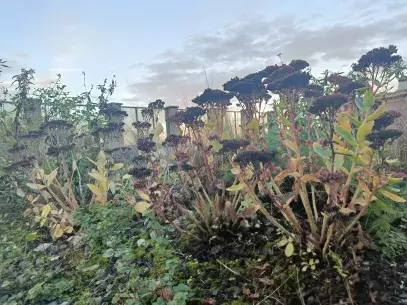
pixel 309 208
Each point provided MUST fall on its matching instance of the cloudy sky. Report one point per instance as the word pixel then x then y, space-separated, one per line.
pixel 157 49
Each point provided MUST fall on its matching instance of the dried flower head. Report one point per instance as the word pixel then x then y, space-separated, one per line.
pixel 214 98
pixel 142 125
pixel 325 176
pixel 379 138
pixel 288 81
pixel 140 172
pixel 233 145
pixel 313 90
pixel 112 127
pixel 386 119
pixel 26 163
pixel 254 157
pixel 191 117
pixel 147 114
pixel 186 167
pixel 17 149
pixel 344 84
pixel 35 134
pixel 157 105
pixel 146 144
pixel 328 103
pixel 56 124
pixel 175 140
pixel 299 64
pixel 56 151
pixel 384 57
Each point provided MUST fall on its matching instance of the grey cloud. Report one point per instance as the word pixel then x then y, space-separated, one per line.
pixel 244 48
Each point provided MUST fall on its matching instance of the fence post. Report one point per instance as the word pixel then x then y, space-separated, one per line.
pixel 171 127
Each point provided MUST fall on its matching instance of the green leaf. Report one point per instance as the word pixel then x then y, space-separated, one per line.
pixel 361 105
pixel 363 131
pixel 286 121
pixel 108 253
pixel 282 242
pixel 116 166
pixel 289 249
pixel 345 134
pixel 90 268
pixel 236 187
pixel 325 154
pixel 368 99
pixel 354 120
pixel 31 236
pixel 216 146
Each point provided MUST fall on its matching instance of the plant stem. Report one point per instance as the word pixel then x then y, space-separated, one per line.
pixel 328 240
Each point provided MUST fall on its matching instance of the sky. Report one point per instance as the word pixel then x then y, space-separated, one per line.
pixel 160 49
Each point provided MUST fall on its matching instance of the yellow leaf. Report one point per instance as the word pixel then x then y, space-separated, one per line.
pixel 363 131
pixel 394 180
pixel 142 206
pixel 253 124
pixel 45 210
pixel 50 178
pixel 249 174
pixel 344 151
pixel 344 122
pixel 210 159
pixel 235 171
pixel 98 177
pixel 377 113
pixel 143 195
pixel 36 186
pixel 58 231
pixel 116 166
pixel 392 196
pixel 236 188
pixel 68 229
pixel 95 190
pixel 289 144
pixel 289 249
pixel 40 174
pixel 346 211
pixel 391 161
pixel 127 176
pixel 159 129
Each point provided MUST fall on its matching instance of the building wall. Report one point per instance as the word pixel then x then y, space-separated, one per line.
pixel 398 101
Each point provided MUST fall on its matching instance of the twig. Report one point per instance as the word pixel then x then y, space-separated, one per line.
pixel 299 290
pixel 231 270
pixel 270 295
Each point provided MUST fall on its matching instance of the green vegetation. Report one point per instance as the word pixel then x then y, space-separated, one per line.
pixel 307 209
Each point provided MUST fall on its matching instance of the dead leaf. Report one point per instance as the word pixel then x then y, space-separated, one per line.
pixel 166 294
pixel 267 282
pixel 254 295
